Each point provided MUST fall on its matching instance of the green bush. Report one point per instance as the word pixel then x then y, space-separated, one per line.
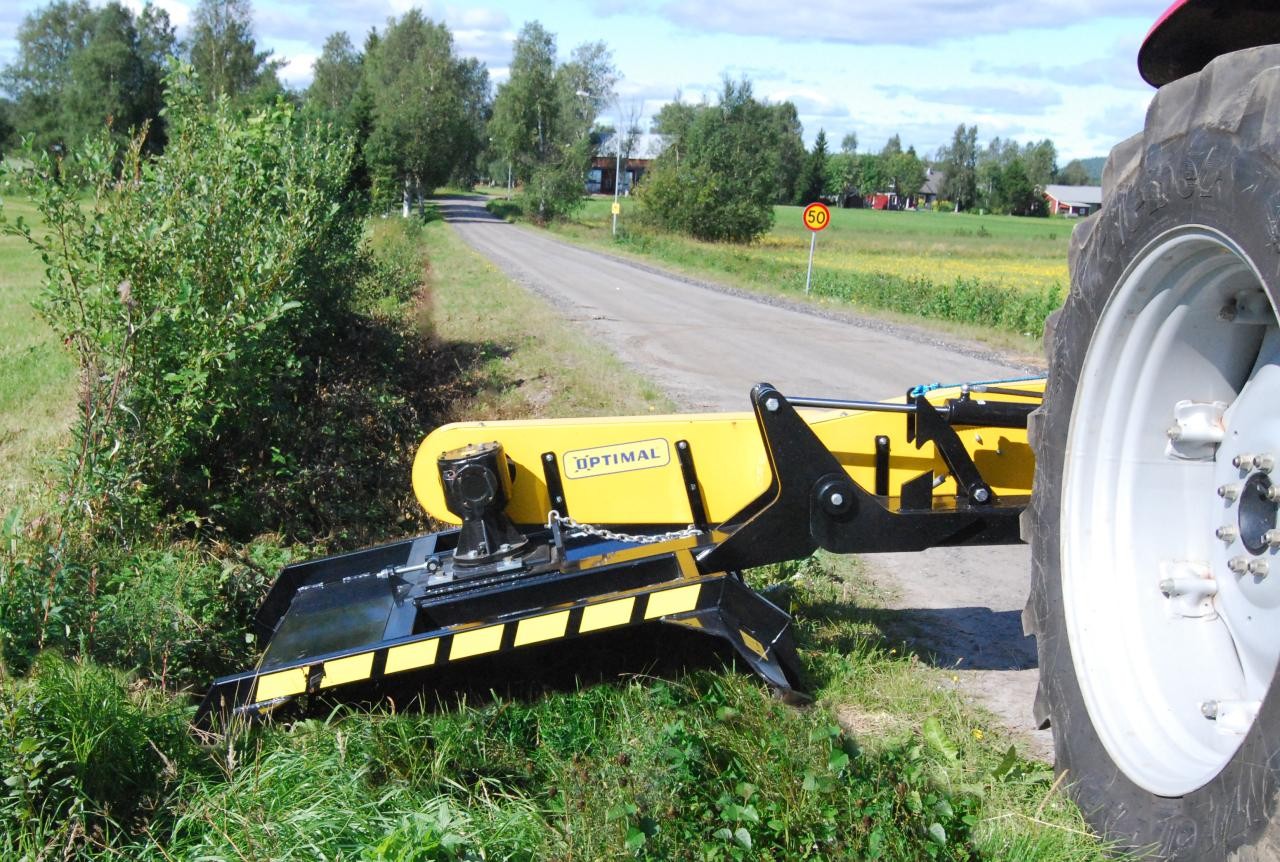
pixel 212 298
pixel 83 754
pixel 716 180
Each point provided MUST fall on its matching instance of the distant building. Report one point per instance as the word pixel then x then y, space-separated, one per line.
pixel 931 191
pixel 600 178
pixel 1073 200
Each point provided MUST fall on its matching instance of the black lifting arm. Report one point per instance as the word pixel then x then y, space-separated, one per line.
pixel 812 503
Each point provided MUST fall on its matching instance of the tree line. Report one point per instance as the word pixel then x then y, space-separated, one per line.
pixel 420 116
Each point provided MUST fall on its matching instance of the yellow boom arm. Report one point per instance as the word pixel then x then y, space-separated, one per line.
pixel 627 470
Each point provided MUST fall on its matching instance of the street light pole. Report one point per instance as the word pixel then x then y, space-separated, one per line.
pixel 617 171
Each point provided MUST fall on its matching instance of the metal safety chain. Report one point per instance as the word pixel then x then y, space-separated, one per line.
pixel 555 518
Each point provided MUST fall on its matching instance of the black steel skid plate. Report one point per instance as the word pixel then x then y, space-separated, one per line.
pixel 353 621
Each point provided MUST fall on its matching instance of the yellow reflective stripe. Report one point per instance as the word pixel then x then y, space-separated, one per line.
pixel 607 614
pixel 340 671
pixel 674 601
pixel 281 684
pixel 411 655
pixel 543 628
pixel 476 642
pixel 752 644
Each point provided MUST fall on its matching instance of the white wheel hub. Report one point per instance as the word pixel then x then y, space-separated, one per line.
pixel 1170 561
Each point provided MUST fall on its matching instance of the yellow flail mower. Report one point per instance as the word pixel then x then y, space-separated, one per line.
pixel 578 528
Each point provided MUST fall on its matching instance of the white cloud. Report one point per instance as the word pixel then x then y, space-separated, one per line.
pixel 905 22
pixel 298 70
pixel 982 99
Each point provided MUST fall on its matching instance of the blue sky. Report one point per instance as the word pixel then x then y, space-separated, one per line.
pixel 1025 69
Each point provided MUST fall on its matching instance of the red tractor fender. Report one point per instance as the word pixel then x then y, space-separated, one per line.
pixel 1192 32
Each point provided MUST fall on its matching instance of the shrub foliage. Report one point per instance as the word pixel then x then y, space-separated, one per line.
pixel 201 293
pixel 715 179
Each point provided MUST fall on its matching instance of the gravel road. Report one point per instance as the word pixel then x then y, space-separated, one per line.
pixel 706 345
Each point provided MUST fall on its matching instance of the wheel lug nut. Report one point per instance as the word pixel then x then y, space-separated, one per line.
pixel 1264 462
pixel 1259 568
pixel 1238 565
pixel 1272 538
pixel 1242 461
pixel 1227 533
pixel 1273 493
pixel 1174 432
pixel 1228 492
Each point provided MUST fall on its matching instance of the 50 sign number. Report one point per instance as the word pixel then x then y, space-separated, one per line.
pixel 817 217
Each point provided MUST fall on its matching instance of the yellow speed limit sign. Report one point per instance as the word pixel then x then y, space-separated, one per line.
pixel 817 217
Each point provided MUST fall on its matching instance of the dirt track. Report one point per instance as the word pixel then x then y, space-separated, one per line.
pixel 706 346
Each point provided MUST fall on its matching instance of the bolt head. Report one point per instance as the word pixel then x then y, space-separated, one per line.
pixel 1209 709
pixel 1229 492
pixel 1227 533
pixel 1265 462
pixel 771 405
pixel 1272 538
pixel 1238 565
pixel 837 499
pixel 1242 461
pixel 1259 568
pixel 982 495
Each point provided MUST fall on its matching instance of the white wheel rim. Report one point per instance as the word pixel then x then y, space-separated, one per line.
pixel 1172 673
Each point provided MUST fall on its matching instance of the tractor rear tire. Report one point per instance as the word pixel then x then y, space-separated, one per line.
pixel 1155 588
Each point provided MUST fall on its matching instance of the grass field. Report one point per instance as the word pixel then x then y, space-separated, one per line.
pixel 985 273
pixel 37 381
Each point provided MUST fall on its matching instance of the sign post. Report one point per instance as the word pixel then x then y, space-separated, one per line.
pixel 816 217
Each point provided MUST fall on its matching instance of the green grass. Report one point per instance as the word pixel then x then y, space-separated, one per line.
pixel 989 277
pixel 37 377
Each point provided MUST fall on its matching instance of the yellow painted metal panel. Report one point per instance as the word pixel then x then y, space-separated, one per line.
pixel 623 488
pixel 412 655
pixel 544 628
pixel 607 614
pixel 752 644
pixel 675 601
pixel 688 566
pixel 476 642
pixel 340 671
pixel 281 684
